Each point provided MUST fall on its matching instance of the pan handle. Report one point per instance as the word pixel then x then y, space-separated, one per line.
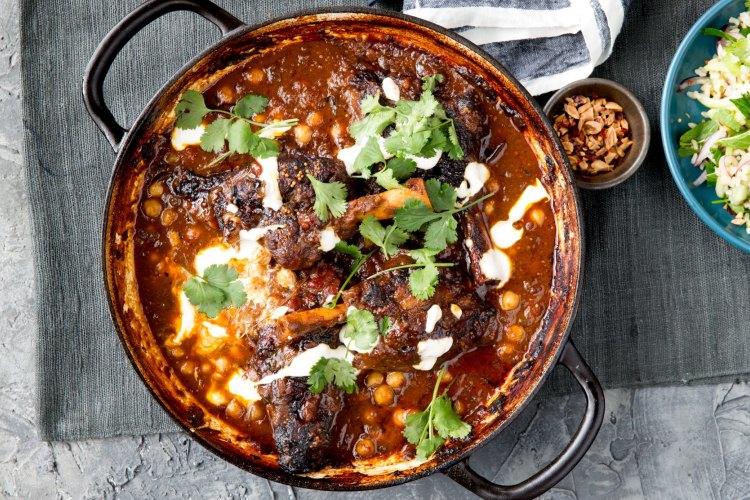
pixel 110 46
pixel 545 479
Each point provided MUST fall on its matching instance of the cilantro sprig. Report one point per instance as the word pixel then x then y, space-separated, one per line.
pixel 388 239
pixel 235 133
pixel 329 197
pixel 422 281
pixel 421 128
pixel 429 429
pixel 362 329
pixel 336 371
pixel 217 289
pixel 359 259
pixel 439 224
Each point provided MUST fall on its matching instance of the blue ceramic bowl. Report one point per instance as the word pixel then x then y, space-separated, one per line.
pixel 694 50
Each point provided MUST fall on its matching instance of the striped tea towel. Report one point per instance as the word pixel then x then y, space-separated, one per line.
pixel 545 43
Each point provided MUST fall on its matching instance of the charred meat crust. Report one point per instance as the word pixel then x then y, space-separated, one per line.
pixel 302 423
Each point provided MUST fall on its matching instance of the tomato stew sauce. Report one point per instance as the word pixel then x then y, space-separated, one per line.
pixel 190 204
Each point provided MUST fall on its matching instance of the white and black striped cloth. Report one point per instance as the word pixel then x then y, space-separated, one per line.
pixel 545 43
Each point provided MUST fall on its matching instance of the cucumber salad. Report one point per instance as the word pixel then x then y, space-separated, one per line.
pixel 720 144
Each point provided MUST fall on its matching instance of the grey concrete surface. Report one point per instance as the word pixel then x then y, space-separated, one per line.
pixel 678 442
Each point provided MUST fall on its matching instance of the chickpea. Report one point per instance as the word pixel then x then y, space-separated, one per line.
pixel 395 379
pixel 226 95
pixel 168 216
pixel 174 238
pixel 236 351
pixel 374 379
pixel 152 208
pixel 192 234
pixel 302 133
pixel 256 75
pixel 156 189
pixel 400 414
pixel 364 448
pixel 256 411
pixel 172 158
pixel 187 368
pixel 506 352
pixel 383 395
pixel 537 215
pixel 509 300
pixel 286 278
pixel 459 406
pixel 515 334
pixel 222 364
pixel 235 409
pixel 216 398
pixel 488 207
pixel 314 119
pixel 447 377
pixel 260 117
pixel 370 415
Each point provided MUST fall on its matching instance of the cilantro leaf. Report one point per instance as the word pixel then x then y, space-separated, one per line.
pixel 329 196
pixel 384 324
pixel 438 142
pixel 263 147
pixel 352 251
pixel 387 239
pixel 361 328
pixel 386 180
pixel 373 124
pixel 413 215
pixel 447 422
pixel 455 152
pixel 369 155
pixel 217 289
pixel 240 137
pixel 337 371
pixel 429 82
pixel 442 196
pixel 423 255
pixel 411 143
pixel 422 282
pixel 190 110
pixel 251 104
pixel 441 232
pixel 402 168
pixel 428 446
pixel 414 425
pixel 215 134
pixel 371 103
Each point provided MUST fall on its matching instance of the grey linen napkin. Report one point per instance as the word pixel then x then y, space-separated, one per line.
pixel 663 299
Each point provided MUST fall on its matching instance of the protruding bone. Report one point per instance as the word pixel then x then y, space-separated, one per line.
pixel 295 325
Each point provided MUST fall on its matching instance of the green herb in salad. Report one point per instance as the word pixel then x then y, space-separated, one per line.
pixel 720 143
